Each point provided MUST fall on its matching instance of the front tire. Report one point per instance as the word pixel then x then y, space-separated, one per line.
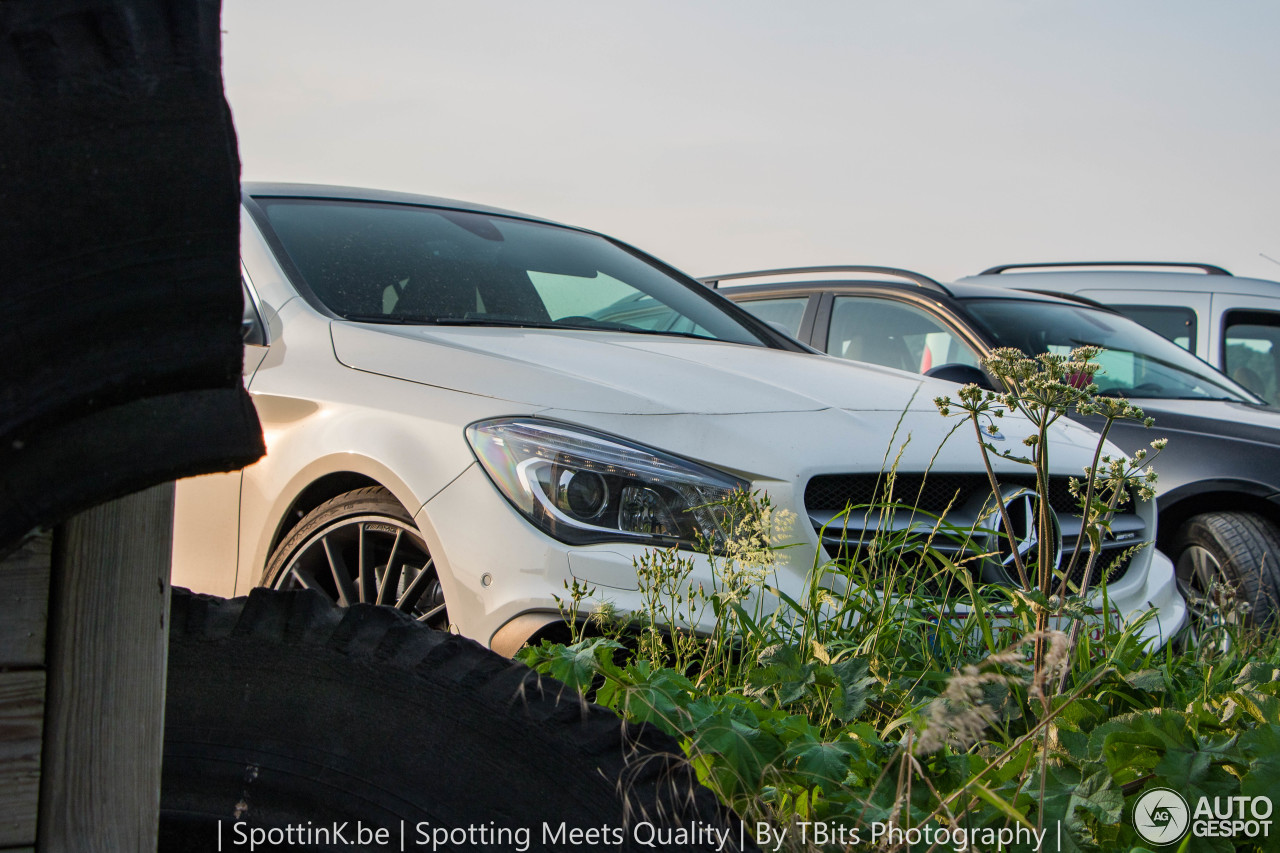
pixel 362 547
pixel 1222 559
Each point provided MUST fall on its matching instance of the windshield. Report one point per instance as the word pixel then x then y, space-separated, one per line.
pixel 396 263
pixel 1137 361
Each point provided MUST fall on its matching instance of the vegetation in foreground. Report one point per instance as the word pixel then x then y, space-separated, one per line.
pixel 900 705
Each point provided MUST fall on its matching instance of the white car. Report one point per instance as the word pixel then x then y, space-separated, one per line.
pixel 1229 321
pixel 466 408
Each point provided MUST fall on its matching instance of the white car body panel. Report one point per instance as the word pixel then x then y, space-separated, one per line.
pixel 390 404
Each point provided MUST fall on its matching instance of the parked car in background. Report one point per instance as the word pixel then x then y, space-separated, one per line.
pixel 467 409
pixel 1231 322
pixel 1219 487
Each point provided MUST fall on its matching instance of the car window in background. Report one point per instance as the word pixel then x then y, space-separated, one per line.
pixel 893 334
pixel 1251 351
pixel 784 314
pixel 1137 362
pixel 395 263
pixel 1174 324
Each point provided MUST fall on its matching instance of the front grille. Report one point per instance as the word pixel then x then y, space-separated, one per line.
pixel 933 492
pixel 965 501
pixel 1113 563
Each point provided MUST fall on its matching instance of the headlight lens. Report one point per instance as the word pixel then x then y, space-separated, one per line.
pixel 582 486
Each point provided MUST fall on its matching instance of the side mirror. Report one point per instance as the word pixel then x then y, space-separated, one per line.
pixel 962 374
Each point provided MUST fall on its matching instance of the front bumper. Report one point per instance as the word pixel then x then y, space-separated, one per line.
pixel 498 571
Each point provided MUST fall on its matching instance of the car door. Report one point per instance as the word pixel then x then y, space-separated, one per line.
pixel 206 523
pixel 1248 345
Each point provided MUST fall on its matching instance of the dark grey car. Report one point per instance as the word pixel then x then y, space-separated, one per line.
pixel 1219 501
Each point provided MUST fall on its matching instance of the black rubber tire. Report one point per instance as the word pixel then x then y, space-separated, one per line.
pixel 283 709
pixel 374 515
pixel 1246 547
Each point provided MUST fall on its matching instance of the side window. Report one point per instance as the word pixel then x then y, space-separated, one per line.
pixel 1251 351
pixel 784 314
pixel 894 334
pixel 1176 324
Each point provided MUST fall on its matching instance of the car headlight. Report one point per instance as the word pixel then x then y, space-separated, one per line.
pixel 582 486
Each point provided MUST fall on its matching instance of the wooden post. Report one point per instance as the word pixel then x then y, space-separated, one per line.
pixel 24 595
pixel 107 655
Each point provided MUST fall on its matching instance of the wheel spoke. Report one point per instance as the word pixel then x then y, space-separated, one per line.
pixel 341 575
pixel 416 588
pixel 432 613
pixel 368 554
pixel 303 581
pixel 368 583
pixel 391 577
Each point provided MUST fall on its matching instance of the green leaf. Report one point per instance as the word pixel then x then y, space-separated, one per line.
pixel 736 750
pixel 1071 796
pixel 1257 673
pixel 1194 775
pixel 1262 747
pixel 655 696
pixel 784 674
pixel 1132 745
pixel 1001 804
pixel 1262 706
pixel 825 764
pixel 578 664
pixel 1147 680
pixel 853 680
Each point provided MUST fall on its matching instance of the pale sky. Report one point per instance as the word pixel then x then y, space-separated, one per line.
pixel 944 136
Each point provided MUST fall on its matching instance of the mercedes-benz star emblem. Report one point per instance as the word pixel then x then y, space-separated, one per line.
pixel 1022 507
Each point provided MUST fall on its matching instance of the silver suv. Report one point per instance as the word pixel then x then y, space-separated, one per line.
pixel 1231 322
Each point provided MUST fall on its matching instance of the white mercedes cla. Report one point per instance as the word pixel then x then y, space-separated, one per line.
pixel 467 408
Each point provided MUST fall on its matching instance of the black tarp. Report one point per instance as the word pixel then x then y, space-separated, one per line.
pixel 120 300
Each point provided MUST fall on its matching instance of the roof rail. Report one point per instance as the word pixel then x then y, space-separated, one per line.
pixel 1208 268
pixel 918 278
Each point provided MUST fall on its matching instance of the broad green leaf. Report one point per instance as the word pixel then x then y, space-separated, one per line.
pixel 853 681
pixel 578 664
pixel 1262 746
pixel 1194 775
pixel 825 764
pixel 1133 744
pixel 1257 673
pixel 784 673
pixel 1262 706
pixel 1147 680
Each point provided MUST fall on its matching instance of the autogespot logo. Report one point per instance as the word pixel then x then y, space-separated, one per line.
pixel 1161 816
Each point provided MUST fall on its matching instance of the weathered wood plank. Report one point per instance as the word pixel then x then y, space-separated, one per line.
pixel 21 722
pixel 107 653
pixel 24 601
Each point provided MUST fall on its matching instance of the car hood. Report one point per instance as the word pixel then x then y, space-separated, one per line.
pixel 1215 418
pixel 624 373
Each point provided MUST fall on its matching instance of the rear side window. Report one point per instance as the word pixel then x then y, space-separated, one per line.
pixel 1174 324
pixel 1251 351
pixel 784 314
pixel 893 334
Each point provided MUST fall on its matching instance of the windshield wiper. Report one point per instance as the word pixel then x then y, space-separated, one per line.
pixel 429 320
pixel 515 323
